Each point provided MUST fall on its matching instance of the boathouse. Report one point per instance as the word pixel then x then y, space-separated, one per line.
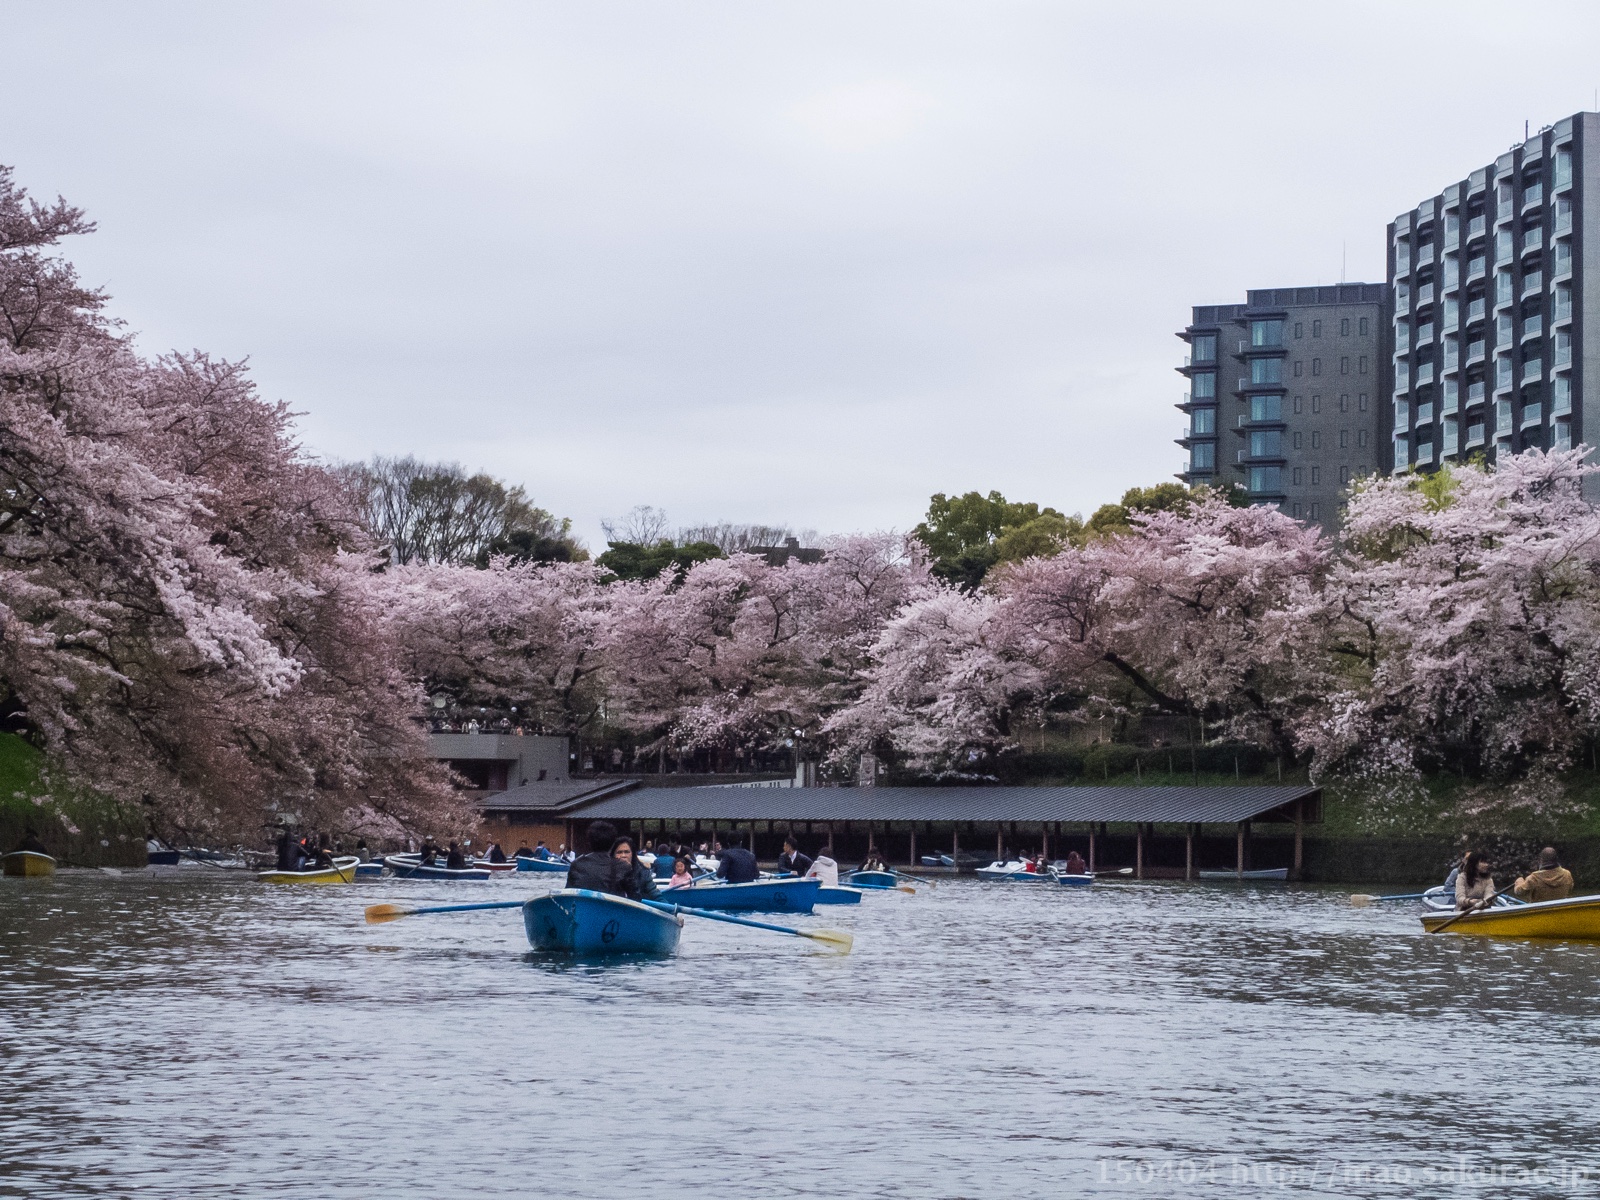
pixel 1160 832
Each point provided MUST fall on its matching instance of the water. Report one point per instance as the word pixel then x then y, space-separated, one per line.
pixel 195 1033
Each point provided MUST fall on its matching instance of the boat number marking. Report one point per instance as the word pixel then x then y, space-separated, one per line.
pixel 780 899
pixel 609 933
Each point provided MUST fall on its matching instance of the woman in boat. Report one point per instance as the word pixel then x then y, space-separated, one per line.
pixel 495 855
pixel 682 875
pixel 1076 865
pixel 455 860
pixel 1474 885
pixel 633 878
pixel 873 862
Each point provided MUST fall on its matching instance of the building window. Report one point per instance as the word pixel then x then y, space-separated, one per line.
pixel 1203 421
pixel 1203 385
pixel 1344 327
pixel 1266 370
pixel 1266 408
pixel 1316 476
pixel 1316 329
pixel 1563 174
pixel 1344 366
pixel 1299 473
pixel 1266 443
pixel 1297 366
pixel 1363 327
pixel 1316 441
pixel 1299 402
pixel 1265 479
pixel 1316 404
pixel 1361 365
pixel 1203 348
pixel 1266 333
pixel 1298 328
pixel 1316 366
pixel 1202 457
pixel 1314 512
pixel 1344 402
pixel 1344 439
pixel 1297 512
pixel 1297 445
pixel 1361 437
pixel 1361 400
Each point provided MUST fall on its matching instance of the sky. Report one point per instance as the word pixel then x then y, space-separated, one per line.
pixel 789 263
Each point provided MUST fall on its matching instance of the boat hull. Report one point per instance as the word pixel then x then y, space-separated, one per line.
pixel 1075 880
pixel 594 925
pixel 764 895
pixel 494 868
pixel 369 870
pixel 838 895
pixel 342 871
pixel 27 863
pixel 410 867
pixel 548 865
pixel 872 879
pixel 1007 873
pixel 1272 873
pixel 1576 918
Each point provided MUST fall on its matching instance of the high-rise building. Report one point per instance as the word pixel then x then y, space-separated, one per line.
pixel 1491 280
pixel 1285 394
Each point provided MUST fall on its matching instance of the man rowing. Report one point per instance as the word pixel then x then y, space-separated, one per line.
pixel 1551 881
pixel 791 859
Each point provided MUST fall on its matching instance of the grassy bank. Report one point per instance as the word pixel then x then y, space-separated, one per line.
pixel 105 834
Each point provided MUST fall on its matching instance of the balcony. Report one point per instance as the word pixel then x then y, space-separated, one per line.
pixel 1402 418
pixel 1451 402
pixel 1502 373
pixel 1475 353
pixel 1452 444
pixel 1532 327
pixel 1532 239
pixel 1533 196
pixel 1502 420
pixel 1475 393
pixel 1475 310
pixel 1532 282
pixel 1424 373
pixel 1476 227
pixel 1424 334
pixel 1474 436
pixel 1424 454
pixel 1424 414
pixel 1563 263
pixel 1504 211
pixel 1477 268
pixel 1402 300
pixel 1561 404
pixel 1402 264
pixel 1425 295
pixel 1532 414
pixel 1425 254
pixel 1561 436
pixel 1564 221
pixel 1563 354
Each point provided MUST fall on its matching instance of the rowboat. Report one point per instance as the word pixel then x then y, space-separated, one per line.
pixel 27 862
pixel 764 895
pixel 1278 873
pixel 872 879
pixel 342 871
pixel 1074 880
pixel 937 860
pixel 369 870
pixel 494 868
pixel 1012 872
pixel 409 866
pixel 1577 918
pixel 838 895
pixel 591 924
pixel 551 865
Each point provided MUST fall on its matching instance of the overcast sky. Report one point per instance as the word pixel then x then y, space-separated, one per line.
pixel 799 263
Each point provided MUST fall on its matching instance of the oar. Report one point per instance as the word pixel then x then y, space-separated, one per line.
pixel 1361 900
pixel 377 914
pixel 915 878
pixel 1118 871
pixel 1464 913
pixel 840 941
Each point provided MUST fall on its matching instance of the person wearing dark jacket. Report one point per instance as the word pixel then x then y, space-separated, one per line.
pixel 596 870
pixel 737 865
pixel 633 879
pixel 286 856
pixel 455 860
pixel 791 859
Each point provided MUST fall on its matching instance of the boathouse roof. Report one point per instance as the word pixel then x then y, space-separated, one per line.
pixel 1174 805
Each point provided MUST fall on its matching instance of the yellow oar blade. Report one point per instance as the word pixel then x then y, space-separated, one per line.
pixel 906 887
pixel 836 938
pixel 1361 901
pixel 377 914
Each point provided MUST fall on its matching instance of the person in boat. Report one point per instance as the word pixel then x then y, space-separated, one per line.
pixel 737 865
pixel 286 848
pixel 30 842
pixel 824 868
pixel 1076 865
pixel 873 862
pixel 455 860
pixel 429 854
pixel 682 873
pixel 1551 881
pixel 634 879
pixel 1474 885
pixel 596 870
pixel 495 854
pixel 323 858
pixel 524 852
pixel 541 852
pixel 666 861
pixel 364 854
pixel 791 859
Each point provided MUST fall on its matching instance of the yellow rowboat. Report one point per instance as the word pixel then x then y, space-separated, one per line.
pixel 342 871
pixel 1577 917
pixel 27 862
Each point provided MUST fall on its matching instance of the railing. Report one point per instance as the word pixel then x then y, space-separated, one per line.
pixel 1562 403
pixel 1425 294
pixel 1425 414
pixel 1475 310
pixel 1425 254
pixel 1477 268
pixel 1533 195
pixel 1532 282
pixel 1561 436
pixel 1532 369
pixel 1532 414
pixel 1563 264
pixel 1532 239
pixel 1452 445
pixel 1476 226
pixel 1532 327
pixel 1425 453
pixel 1504 211
pixel 1424 373
pixel 1475 393
pixel 1474 436
pixel 1424 334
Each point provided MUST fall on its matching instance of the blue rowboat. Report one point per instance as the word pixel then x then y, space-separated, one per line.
pixel 1011 872
pixel 369 870
pixel 593 924
pixel 1074 880
pixel 838 895
pixel 872 879
pixel 409 866
pixel 764 895
pixel 542 864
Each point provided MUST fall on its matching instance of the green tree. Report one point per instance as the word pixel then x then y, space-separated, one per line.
pixel 631 560
pixel 1111 519
pixel 969 534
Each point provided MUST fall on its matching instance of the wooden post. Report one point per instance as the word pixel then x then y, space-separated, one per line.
pixel 1188 855
pixel 913 862
pixel 999 841
pixel 1044 836
pixel 1091 847
pixel 1138 851
pixel 831 854
pixel 1299 838
pixel 955 844
pixel 1239 851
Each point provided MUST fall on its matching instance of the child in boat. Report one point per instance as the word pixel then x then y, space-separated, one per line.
pixel 682 876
